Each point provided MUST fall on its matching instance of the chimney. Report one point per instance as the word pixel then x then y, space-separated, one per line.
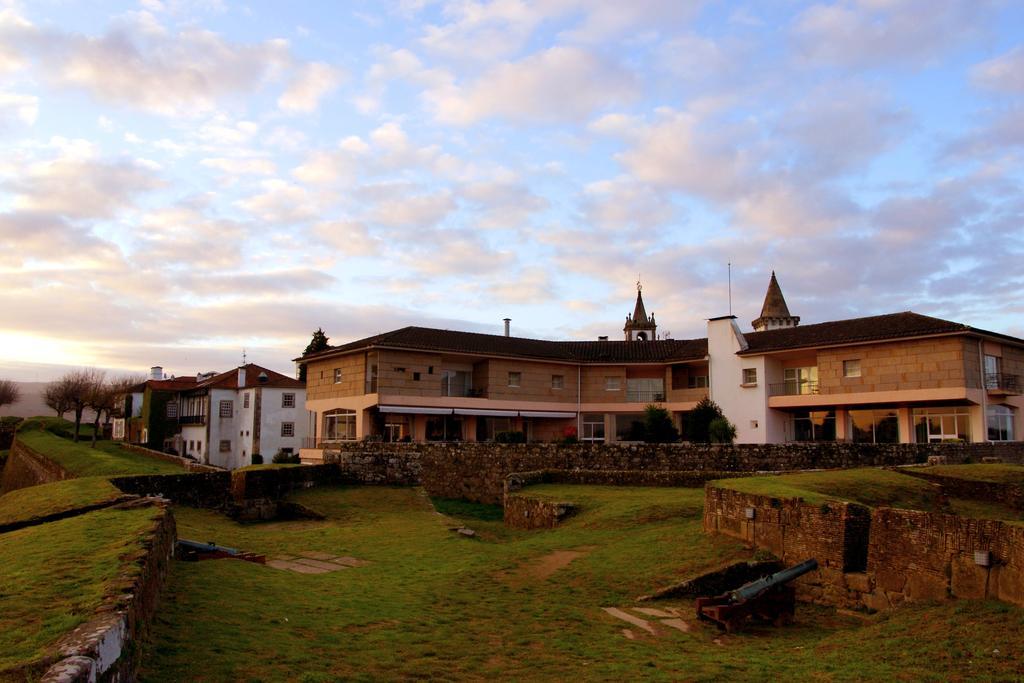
pixel 507 322
pixel 241 376
pixel 603 337
pixel 156 372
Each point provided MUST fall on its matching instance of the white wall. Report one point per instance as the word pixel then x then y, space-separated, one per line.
pixel 194 433
pixel 744 406
pixel 273 414
pixel 224 429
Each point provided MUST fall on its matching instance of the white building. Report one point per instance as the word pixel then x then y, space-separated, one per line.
pixel 229 417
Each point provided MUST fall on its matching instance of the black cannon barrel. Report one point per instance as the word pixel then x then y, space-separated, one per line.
pixel 755 588
pixel 205 547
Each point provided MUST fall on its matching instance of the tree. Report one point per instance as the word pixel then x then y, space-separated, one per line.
pixel 698 422
pixel 720 430
pixel 9 392
pixel 55 397
pixel 658 426
pixel 101 399
pixel 76 388
pixel 317 343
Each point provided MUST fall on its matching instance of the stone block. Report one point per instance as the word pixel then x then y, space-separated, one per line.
pixel 890 580
pixel 926 586
pixel 968 580
pixel 858 581
pixel 1009 584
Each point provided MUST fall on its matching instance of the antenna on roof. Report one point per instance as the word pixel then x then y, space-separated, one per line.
pixel 243 356
pixel 730 287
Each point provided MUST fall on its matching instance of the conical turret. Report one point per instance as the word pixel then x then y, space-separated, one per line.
pixel 774 312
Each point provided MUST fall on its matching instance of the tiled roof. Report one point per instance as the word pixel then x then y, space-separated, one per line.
pixel 429 339
pixel 873 328
pixel 229 379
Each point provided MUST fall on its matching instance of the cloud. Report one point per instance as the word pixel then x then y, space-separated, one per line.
pixel 281 202
pixel 867 33
pixel 347 237
pixel 241 166
pixel 534 89
pixel 415 211
pixel 482 31
pixel 1004 73
pixel 185 236
pixel 313 82
pixel 17 108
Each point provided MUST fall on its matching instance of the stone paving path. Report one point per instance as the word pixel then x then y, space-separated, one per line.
pixel 314 562
pixel 669 616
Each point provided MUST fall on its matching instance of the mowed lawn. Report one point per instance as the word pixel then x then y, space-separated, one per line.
pixel 511 605
pixel 108 459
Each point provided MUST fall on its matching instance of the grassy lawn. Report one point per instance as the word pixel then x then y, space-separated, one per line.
pixel 432 604
pixel 47 499
pixel 54 576
pixel 867 486
pixel 1000 473
pixel 109 458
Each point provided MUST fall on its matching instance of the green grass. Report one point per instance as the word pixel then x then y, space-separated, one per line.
pixel 867 486
pixel 48 499
pixel 999 473
pixel 107 459
pixel 434 605
pixel 55 425
pixel 54 576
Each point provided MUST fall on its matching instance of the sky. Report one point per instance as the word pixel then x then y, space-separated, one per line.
pixel 184 179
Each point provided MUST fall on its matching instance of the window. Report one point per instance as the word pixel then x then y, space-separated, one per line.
pixel 444 428
pixel 992 368
pixel 812 425
pixel 337 375
pixel 612 383
pixel 935 425
pixel 399 369
pixel 593 427
pixel 339 425
pixel 874 426
pixel 487 428
pixel 558 381
pixel 245 400
pixel 456 383
pixel 415 377
pixel 191 445
pixel 1000 423
pixel 241 432
pixel 287 429
pixel 697 382
pixel 514 378
pixel 227 409
pixel 749 377
pixel 371 378
pixel 800 380
pixel 199 447
pixel 851 368
pixel 630 427
pixel 287 400
pixel 430 369
pixel 645 390
pixel 225 446
pixel 172 409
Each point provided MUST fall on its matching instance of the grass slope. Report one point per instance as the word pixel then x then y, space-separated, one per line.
pixel 54 576
pixel 107 459
pixel 48 499
pixel 434 605
pixel 999 473
pixel 867 486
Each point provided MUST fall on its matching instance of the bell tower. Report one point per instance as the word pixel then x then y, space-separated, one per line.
pixel 640 327
pixel 774 312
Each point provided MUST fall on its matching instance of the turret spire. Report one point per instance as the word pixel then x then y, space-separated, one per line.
pixel 774 312
pixel 640 327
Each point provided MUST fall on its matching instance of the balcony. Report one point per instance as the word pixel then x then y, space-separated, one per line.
pixel 792 388
pixel 371 386
pixel 1002 384
pixel 192 420
pixel 645 396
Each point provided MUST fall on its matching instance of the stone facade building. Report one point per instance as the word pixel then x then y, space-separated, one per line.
pixel 901 377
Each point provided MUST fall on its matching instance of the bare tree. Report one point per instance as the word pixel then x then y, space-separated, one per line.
pixel 78 389
pixel 9 392
pixel 55 396
pixel 105 397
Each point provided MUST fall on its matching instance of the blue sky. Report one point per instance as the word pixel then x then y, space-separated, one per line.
pixel 182 179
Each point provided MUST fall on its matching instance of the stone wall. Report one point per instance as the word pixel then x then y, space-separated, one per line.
pixel 186 463
pixel 107 647
pixel 1011 495
pixel 198 489
pixel 875 559
pixel 27 467
pixel 477 471
pixel 525 512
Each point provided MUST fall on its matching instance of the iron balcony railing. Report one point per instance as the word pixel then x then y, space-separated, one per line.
pixel 192 419
pixel 645 396
pixel 792 388
pixel 1002 382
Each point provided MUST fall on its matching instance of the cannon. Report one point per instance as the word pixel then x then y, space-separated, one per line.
pixel 193 551
pixel 770 598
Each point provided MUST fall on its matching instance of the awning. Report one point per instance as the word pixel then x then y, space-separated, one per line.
pixel 486 413
pixel 414 410
pixel 545 413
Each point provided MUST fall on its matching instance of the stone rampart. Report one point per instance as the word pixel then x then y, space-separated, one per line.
pixel 188 464
pixel 477 471
pixel 198 489
pixel 525 512
pixel 107 647
pixel 27 467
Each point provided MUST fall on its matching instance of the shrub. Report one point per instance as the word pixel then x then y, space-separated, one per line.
pixel 658 426
pixel 257 459
pixel 283 458
pixel 699 420
pixel 720 430
pixel 510 437
pixel 569 435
